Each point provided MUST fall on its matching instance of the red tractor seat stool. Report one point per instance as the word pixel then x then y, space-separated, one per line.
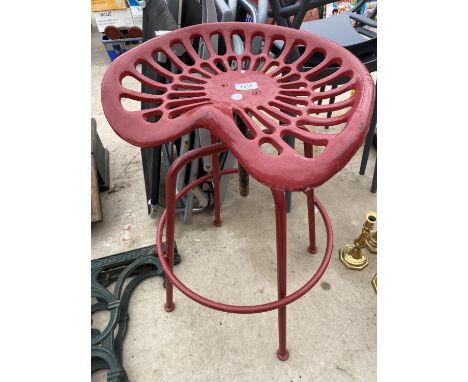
pixel 250 102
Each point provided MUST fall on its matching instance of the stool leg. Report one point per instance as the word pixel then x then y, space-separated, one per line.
pixel 216 189
pixel 280 212
pixel 243 181
pixel 170 226
pixel 369 139
pixel 291 142
pixel 311 213
pixel 332 101
pixel 374 179
pixel 322 89
pixel 309 153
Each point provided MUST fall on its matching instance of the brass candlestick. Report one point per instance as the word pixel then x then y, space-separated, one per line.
pixel 371 242
pixel 374 283
pixel 351 255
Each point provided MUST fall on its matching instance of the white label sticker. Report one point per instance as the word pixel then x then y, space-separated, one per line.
pixel 246 86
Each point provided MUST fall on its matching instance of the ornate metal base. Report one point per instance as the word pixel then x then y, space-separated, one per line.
pixel 136 265
pixel 349 261
pixel 371 242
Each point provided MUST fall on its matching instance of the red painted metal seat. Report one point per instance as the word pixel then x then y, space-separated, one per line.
pixel 272 96
pixel 247 101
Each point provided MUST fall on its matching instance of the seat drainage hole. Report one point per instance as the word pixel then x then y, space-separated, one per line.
pixel 236 96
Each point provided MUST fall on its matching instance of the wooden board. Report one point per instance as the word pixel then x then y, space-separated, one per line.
pixel 96 211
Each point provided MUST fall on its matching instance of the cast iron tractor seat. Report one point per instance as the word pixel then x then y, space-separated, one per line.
pixel 282 97
pixel 247 100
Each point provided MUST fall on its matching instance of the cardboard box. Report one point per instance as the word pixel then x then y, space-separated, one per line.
pixel 107 5
pixel 121 18
pixel 137 13
pixel 340 6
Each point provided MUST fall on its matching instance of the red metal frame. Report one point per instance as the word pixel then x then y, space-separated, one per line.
pixel 168 220
pixel 275 94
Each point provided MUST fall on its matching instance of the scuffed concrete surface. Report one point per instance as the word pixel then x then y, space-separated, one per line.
pixel 331 330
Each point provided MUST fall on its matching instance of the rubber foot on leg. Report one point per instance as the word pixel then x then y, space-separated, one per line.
pixel 217 223
pixel 282 357
pixel 169 308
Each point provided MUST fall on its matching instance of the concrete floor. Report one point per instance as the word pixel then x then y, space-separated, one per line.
pixel 331 330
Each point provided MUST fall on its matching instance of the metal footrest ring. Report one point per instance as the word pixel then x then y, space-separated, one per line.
pixel 239 308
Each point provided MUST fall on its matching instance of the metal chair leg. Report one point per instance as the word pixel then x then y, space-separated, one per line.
pixel 171 180
pixel 374 179
pixel 243 181
pixel 223 184
pixel 216 188
pixel 192 176
pixel 311 216
pixel 322 89
pixel 288 201
pixel 332 101
pixel 280 212
pixel 151 159
pixel 369 139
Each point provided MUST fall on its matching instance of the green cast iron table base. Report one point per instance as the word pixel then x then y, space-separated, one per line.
pixel 132 266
